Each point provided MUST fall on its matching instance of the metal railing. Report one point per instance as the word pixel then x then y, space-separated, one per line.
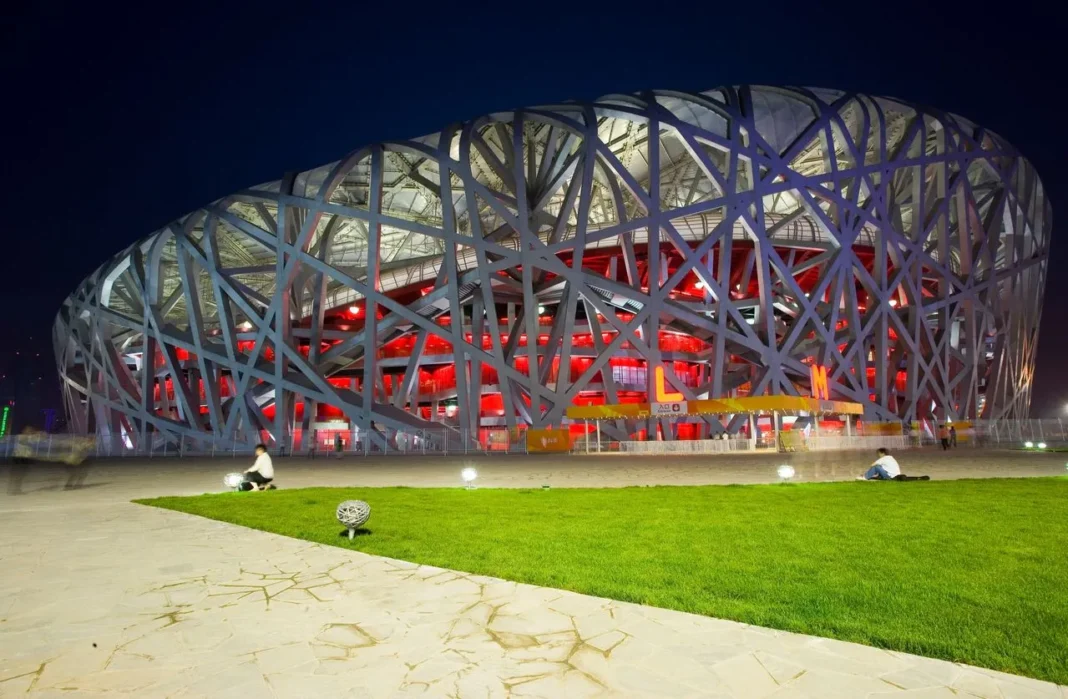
pixel 57 447
pixel 992 433
pixel 688 446
pixel 451 441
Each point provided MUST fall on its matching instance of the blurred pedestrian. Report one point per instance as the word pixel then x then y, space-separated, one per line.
pixel 77 469
pixel 25 449
pixel 943 437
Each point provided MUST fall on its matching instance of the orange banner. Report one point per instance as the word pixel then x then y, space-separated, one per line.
pixel 548 440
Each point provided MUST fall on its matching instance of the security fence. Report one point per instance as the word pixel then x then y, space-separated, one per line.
pixel 799 443
pixel 448 441
pixel 688 446
pixel 987 433
pixel 326 444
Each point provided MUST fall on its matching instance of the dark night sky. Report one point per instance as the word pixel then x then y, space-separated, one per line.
pixel 119 120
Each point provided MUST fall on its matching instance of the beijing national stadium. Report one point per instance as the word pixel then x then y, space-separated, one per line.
pixel 489 276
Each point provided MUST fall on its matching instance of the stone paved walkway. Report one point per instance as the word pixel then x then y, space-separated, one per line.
pixel 100 597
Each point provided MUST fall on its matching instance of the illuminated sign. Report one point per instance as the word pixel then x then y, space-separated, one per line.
pixel 819 382
pixel 3 420
pixel 676 408
pixel 548 440
pixel 662 396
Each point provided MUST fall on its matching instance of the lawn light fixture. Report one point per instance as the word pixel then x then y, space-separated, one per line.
pixel 353 514
pixel 786 472
pixel 233 480
pixel 1029 445
pixel 1041 445
pixel 469 475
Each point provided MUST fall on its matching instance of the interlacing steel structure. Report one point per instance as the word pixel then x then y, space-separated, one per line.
pixel 485 277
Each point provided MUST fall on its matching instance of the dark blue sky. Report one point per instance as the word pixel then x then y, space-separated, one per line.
pixel 119 120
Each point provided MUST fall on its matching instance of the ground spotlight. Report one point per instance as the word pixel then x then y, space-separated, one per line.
pixel 1041 445
pixel 232 480
pixel 353 514
pixel 1029 445
pixel 469 475
pixel 786 472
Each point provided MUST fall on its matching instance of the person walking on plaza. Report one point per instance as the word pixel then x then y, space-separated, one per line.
pixel 943 436
pixel 953 435
pixel 338 444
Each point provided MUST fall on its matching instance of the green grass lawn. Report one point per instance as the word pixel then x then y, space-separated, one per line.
pixel 970 571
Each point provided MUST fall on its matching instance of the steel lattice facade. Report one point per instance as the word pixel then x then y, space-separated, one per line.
pixel 527 260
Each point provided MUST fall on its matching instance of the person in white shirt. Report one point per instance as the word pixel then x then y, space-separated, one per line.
pixel 262 471
pixel 885 468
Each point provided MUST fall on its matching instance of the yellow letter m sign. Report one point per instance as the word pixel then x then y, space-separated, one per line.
pixel 819 382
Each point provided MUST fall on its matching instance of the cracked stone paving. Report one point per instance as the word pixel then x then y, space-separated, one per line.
pixel 100 597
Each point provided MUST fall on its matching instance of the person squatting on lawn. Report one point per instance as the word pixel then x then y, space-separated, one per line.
pixel 262 471
pixel 886 468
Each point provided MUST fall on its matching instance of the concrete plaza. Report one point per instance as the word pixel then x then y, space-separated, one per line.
pixel 101 597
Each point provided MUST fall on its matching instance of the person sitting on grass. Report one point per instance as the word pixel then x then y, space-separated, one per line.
pixel 885 468
pixel 262 471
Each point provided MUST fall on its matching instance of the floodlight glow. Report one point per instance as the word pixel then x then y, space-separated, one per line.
pixel 354 310
pixel 786 472
pixel 541 310
pixel 232 480
pixel 469 475
pixel 1029 445
pixel 1041 445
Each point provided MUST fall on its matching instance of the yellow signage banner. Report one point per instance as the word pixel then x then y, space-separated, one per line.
pixel 548 440
pixel 792 440
pixel 719 406
pixel 883 429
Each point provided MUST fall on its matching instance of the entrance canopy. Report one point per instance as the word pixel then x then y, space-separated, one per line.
pixel 716 406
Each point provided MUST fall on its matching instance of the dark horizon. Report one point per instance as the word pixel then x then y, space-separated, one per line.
pixel 122 122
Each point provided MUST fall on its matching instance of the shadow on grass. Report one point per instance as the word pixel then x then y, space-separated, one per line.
pixel 357 533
